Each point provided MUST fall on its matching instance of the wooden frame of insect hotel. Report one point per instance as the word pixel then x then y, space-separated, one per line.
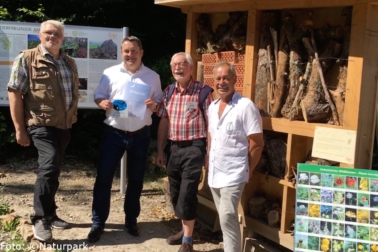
pixel 305 64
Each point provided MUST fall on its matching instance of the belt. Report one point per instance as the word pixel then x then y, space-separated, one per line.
pixel 132 133
pixel 183 144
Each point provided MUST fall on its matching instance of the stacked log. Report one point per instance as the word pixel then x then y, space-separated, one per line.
pixel 293 82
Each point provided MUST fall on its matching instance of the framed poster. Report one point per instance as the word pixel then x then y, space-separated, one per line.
pixel 336 209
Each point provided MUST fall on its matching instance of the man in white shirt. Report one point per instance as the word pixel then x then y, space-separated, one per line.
pixel 125 131
pixel 235 142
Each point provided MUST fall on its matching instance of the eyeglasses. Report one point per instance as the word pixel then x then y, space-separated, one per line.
pixel 180 64
pixel 50 33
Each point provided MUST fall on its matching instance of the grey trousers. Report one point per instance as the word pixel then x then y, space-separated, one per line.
pixel 226 201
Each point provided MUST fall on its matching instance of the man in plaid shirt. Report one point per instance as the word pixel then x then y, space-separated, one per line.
pixel 187 131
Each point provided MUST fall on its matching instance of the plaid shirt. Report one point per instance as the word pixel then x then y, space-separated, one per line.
pixel 185 123
pixel 19 79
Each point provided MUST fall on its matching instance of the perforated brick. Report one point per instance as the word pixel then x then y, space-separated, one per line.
pixel 208 69
pixel 239 81
pixel 209 58
pixel 241 58
pixel 239 90
pixel 239 68
pixel 209 81
pixel 229 56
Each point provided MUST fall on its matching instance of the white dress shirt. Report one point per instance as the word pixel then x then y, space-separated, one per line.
pixel 114 81
pixel 228 156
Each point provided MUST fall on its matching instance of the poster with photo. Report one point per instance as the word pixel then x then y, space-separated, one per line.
pixel 336 209
pixel 93 48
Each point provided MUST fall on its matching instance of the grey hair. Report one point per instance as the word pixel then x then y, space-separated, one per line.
pixel 133 39
pixel 232 68
pixel 187 56
pixel 57 24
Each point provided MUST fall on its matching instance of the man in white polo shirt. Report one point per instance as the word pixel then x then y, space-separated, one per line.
pixel 125 131
pixel 235 142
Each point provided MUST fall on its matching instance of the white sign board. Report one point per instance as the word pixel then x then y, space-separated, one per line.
pixel 334 144
pixel 93 48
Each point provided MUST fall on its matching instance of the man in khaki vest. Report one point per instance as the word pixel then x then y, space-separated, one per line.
pixel 43 99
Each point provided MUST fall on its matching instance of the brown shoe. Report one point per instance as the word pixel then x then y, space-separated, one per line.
pixel 176 238
pixel 186 247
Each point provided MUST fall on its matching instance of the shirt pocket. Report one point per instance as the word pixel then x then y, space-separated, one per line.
pixel 42 92
pixel 42 82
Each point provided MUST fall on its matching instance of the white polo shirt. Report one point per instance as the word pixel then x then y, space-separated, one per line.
pixel 114 80
pixel 228 156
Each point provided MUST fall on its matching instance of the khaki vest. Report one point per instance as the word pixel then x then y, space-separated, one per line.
pixel 44 102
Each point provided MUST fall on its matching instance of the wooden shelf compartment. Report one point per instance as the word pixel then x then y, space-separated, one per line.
pixel 272 233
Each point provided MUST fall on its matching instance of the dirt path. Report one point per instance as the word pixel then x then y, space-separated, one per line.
pixel 74 199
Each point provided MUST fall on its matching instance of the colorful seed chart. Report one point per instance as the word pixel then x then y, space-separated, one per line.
pixel 336 209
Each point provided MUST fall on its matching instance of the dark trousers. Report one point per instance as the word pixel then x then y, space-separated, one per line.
pixel 113 146
pixel 184 172
pixel 51 144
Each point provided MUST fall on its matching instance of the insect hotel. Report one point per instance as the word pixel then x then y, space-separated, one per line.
pixel 305 64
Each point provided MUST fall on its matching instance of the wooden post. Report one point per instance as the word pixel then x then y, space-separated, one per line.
pixel 251 52
pixel 191 38
pixel 361 84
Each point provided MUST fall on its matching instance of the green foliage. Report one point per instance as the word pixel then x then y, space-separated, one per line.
pixel 162 67
pixel 4 14
pixel 14 238
pixel 9 226
pixel 38 14
pixel 4 209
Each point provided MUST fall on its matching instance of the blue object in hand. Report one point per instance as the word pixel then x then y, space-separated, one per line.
pixel 119 105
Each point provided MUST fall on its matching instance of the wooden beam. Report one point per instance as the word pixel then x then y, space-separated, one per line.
pixel 288 209
pixel 251 52
pixel 300 128
pixel 191 39
pixel 179 3
pixel 234 5
pixel 361 84
pixel 222 7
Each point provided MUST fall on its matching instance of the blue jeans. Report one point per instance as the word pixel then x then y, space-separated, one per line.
pixel 51 144
pixel 113 145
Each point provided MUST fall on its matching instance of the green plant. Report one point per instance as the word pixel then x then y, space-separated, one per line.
pixel 4 208
pixel 4 14
pixel 39 13
pixel 161 66
pixel 14 239
pixel 9 226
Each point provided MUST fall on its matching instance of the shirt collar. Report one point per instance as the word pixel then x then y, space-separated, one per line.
pixel 234 95
pixel 44 52
pixel 191 83
pixel 123 69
